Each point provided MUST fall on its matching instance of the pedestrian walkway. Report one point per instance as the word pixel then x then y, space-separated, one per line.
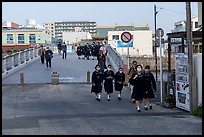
pixel 71 69
pixel 71 109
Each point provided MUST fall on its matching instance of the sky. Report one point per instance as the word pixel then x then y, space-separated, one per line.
pixel 103 13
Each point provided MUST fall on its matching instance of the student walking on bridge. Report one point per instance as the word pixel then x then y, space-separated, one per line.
pixel 131 71
pixel 64 51
pixel 97 82
pixel 48 57
pixel 41 53
pixel 150 87
pixel 137 80
pixel 108 84
pixel 119 80
pixel 101 60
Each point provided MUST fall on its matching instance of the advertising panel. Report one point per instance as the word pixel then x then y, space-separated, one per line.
pixel 120 44
pixel 182 82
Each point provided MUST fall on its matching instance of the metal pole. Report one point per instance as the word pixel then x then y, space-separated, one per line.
pixel 155 29
pixel 169 64
pixel 128 56
pixel 161 73
pixel 21 79
pixel 190 53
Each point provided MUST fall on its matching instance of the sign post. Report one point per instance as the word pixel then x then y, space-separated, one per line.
pixel 160 33
pixel 127 37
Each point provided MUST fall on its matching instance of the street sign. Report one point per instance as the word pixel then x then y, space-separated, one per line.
pixel 126 37
pixel 158 32
pixel 158 42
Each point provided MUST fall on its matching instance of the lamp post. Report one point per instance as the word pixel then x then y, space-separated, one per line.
pixel 155 45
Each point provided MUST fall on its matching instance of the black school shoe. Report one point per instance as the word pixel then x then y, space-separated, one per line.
pixel 119 98
pixel 108 99
pixel 150 107
pixel 99 99
pixel 133 101
pixel 138 110
pixel 146 108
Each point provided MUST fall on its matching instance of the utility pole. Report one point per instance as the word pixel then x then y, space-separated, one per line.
pixel 190 55
pixel 155 45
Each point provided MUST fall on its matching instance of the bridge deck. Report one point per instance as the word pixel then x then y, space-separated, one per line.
pixel 71 69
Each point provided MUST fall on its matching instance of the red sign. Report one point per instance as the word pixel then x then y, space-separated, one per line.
pixel 126 37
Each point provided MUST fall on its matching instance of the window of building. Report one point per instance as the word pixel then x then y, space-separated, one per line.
pixel 196 24
pixel 115 37
pixel 9 38
pixel 21 38
pixel 32 38
pixel 200 49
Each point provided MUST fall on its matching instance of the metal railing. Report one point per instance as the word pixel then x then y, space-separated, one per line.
pixel 15 60
pixel 114 58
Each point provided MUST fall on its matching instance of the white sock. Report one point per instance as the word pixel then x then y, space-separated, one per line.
pixel 150 104
pixel 99 96
pixel 138 108
pixel 118 95
pixel 108 96
pixel 145 106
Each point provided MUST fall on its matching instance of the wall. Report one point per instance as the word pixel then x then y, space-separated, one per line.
pixel 71 36
pixel 197 62
pixel 151 61
pixel 142 42
pixel 200 13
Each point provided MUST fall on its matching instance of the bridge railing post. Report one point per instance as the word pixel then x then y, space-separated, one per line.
pixel 16 59
pixel 4 69
pixel 88 77
pixel 21 79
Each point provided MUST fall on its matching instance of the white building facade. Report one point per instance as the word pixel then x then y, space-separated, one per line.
pixel 74 37
pixel 141 44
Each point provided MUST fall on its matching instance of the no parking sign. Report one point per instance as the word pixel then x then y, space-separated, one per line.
pixel 126 37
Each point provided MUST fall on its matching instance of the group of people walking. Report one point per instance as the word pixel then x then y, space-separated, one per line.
pixel 142 83
pixel 90 50
pixel 45 55
pixel 108 76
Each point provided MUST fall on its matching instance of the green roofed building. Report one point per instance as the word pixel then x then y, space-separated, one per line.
pixel 102 31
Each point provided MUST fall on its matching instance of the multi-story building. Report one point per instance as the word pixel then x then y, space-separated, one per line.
pixel 181 25
pixel 179 29
pixel 50 30
pixel 74 26
pixel 10 25
pixel 30 23
pixel 50 27
pixel 17 39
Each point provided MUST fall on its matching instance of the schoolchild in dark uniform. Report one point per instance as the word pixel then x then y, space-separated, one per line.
pixel 79 52
pixel 101 60
pixel 137 80
pixel 48 56
pixel 119 80
pixel 97 82
pixel 131 71
pixel 150 87
pixel 92 51
pixel 83 51
pixel 108 84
